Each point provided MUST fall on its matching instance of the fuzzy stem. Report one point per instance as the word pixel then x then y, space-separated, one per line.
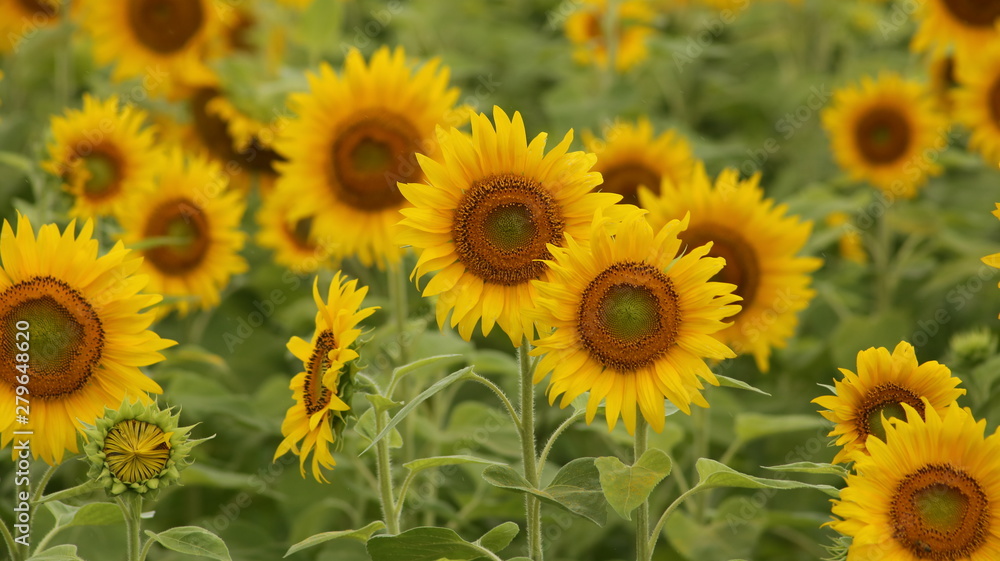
pixel 642 548
pixel 131 505
pixel 533 508
pixel 383 464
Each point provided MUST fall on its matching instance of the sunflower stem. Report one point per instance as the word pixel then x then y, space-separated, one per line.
pixel 131 506
pixel 642 548
pixel 502 396
pixel 558 432
pixel 383 464
pixel 532 506
pixel 15 553
pixel 881 258
pixel 398 286
pixel 654 536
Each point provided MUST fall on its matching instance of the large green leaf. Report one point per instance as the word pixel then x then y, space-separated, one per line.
pixel 497 539
pixel 426 543
pixel 750 426
pixel 812 467
pixel 576 488
pixel 437 461
pixel 361 535
pixel 93 514
pixel 57 553
pixel 712 475
pixel 727 382
pixel 192 540
pixel 626 487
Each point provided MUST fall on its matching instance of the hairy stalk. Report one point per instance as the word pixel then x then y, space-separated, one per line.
pixel 642 547
pixel 532 506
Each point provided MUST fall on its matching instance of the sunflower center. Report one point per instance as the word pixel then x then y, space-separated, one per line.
pixel 625 180
pixel 886 400
pixel 39 7
pixel 940 513
pixel 187 226
pixel 64 337
pixel 299 232
pixel 211 129
pixel 742 264
pixel 883 135
pixel 316 396
pixel 976 13
pixel 136 451
pixel 629 316
pixel 165 26
pixel 994 101
pixel 370 156
pixel 502 225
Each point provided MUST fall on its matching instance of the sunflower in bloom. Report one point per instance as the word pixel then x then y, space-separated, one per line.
pixel 850 244
pixel 164 42
pixel 966 25
pixel 355 137
pixel 103 154
pixel 994 259
pixel 977 102
pixel 293 240
pixel 759 242
pixel 928 490
pixel 192 222
pixel 632 325
pixel 72 326
pixel 20 18
pixel 315 421
pixel 586 29
pixel 881 132
pixel 629 157
pixel 490 211
pixel 882 385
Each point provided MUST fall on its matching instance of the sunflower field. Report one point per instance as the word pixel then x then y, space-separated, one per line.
pixel 518 280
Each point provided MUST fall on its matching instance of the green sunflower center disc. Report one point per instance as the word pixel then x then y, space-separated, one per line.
pixel 509 227
pixel 186 226
pixel 976 13
pixel 941 506
pixel 629 312
pixel 369 156
pixel 102 176
pixel 886 399
pixel 61 343
pixel 626 178
pixel 889 411
pixel 136 451
pixel 883 135
pixel 165 26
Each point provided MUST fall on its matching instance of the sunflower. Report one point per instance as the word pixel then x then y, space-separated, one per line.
pixel 882 385
pixel 882 132
pixel 356 135
pixel 586 29
pixel 944 81
pixel 20 18
pixel 759 242
pixel 162 41
pixel 977 102
pixel 487 216
pixel 103 154
pixel 192 222
pixel 994 259
pixel 628 156
pixel 316 419
pixel 850 244
pixel 72 332
pixel 928 491
pixel 632 325
pixel 966 25
pixel 293 240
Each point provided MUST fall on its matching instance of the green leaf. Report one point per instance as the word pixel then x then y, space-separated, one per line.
pixel 727 382
pixel 57 553
pixel 365 426
pixel 436 461
pixel 382 404
pixel 712 475
pixel 89 487
pixel 811 467
pixel 426 543
pixel 576 488
pixel 97 514
pixel 497 539
pixel 750 426
pixel 192 540
pixel 361 535
pixel 16 161
pixel 433 389
pixel 400 371
pixel 627 487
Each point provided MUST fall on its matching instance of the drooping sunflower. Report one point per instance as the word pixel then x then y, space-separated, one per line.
pixel 316 420
pixel 882 131
pixel 994 259
pixel 20 18
pixel 193 222
pixel 966 25
pixel 977 101
pixel 881 386
pixel 163 42
pixel 632 325
pixel 355 137
pixel 628 156
pixel 293 240
pixel 587 28
pixel 759 242
pixel 929 490
pixel 103 154
pixel 73 332
pixel 485 219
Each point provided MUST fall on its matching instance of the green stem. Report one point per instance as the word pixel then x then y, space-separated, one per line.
pixel 532 506
pixel 702 430
pixel 145 549
pixel 15 553
pixel 131 505
pixel 503 397
pixel 654 536
pixel 397 509
pixel 552 439
pixel 642 548
pixel 384 468
pixel 40 489
pixel 48 537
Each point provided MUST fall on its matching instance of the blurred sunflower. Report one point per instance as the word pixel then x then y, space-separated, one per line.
pixel 490 211
pixel 882 385
pixel 20 18
pixel 292 240
pixel 881 131
pixel 850 244
pixel 163 41
pixel 628 156
pixel 85 335
pixel 316 420
pixel 633 321
pixel 192 222
pixel 966 25
pixel 994 259
pixel 587 29
pixel 929 490
pixel 356 135
pixel 103 155
pixel 977 102
pixel 944 81
pixel 759 242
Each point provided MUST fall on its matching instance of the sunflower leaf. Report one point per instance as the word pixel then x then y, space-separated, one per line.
pixel 750 426
pixel 192 540
pixel 811 467
pixel 436 461
pixel 626 487
pixel 727 382
pixel 575 488
pixel 57 553
pixel 361 535
pixel 497 539
pixel 399 372
pixel 713 475
pixel 426 543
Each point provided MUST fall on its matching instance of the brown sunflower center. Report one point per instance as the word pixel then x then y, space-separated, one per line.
pixel 299 233
pixel 976 13
pixel 940 513
pixel 136 451
pixel 885 400
pixel 186 225
pixel 883 135
pixel 502 225
pixel 316 396
pixel 742 264
pixel 994 101
pixel 45 8
pixel 626 178
pixel 629 316
pixel 165 26
pixel 64 337
pixel 369 156
pixel 210 128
